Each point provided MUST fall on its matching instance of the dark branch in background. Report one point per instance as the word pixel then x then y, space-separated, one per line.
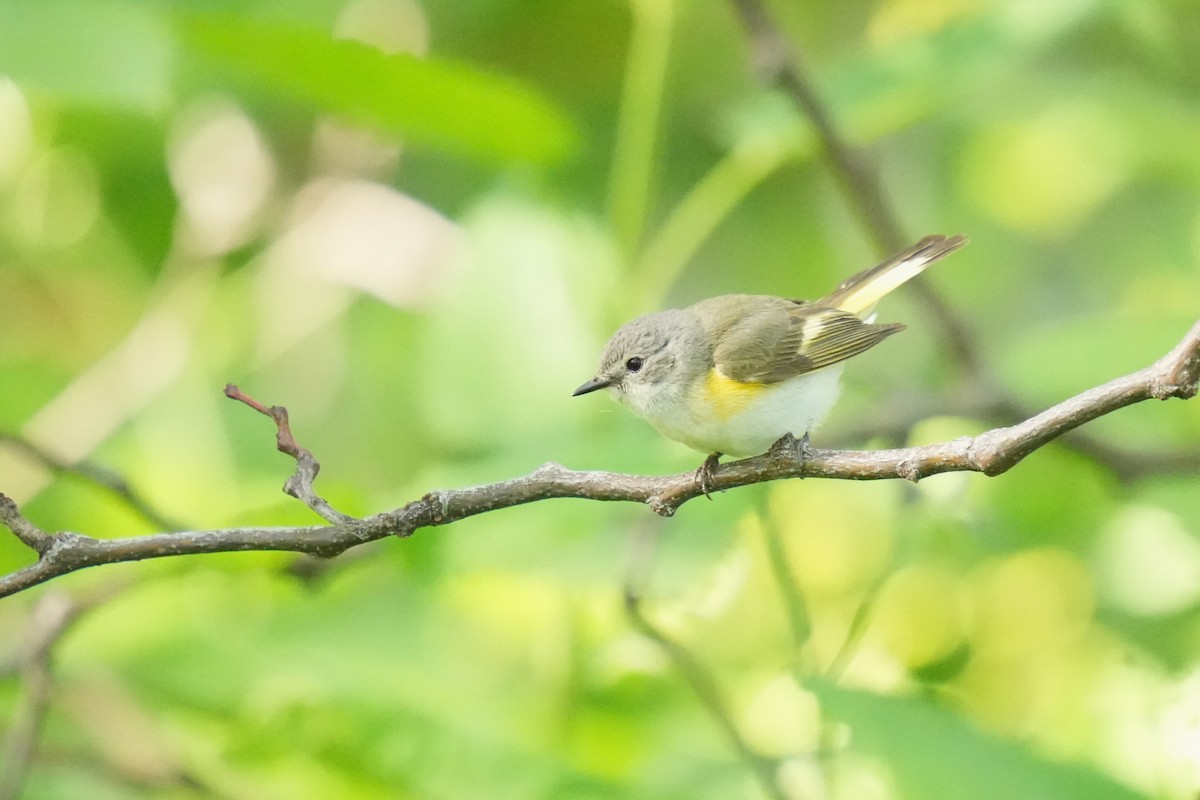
pixel 854 632
pixel 893 422
pixel 992 452
pixel 94 473
pixel 52 617
pixel 694 673
pixel 702 684
pixel 794 604
pixel 778 62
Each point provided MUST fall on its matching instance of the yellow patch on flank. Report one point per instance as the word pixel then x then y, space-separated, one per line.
pixel 726 396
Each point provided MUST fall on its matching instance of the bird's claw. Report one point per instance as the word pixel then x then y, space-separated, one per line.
pixel 804 449
pixel 795 450
pixel 705 475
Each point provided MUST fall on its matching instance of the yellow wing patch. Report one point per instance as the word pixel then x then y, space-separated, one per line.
pixel 726 396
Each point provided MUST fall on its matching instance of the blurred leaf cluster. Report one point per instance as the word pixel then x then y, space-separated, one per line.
pixel 415 223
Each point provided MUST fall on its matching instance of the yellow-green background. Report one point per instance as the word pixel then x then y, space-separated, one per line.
pixel 189 198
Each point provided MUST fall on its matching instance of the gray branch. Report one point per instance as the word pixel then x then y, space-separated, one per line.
pixel 993 452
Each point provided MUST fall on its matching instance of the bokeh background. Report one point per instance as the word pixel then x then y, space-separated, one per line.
pixel 415 224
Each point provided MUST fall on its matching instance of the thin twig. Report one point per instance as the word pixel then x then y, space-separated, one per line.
pixel 300 484
pixel 992 452
pixel 854 634
pixel 799 620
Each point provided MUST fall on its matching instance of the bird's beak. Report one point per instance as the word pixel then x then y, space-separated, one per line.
pixel 599 382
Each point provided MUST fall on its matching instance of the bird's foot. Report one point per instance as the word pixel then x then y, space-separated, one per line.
pixel 705 474
pixel 804 447
pixel 797 451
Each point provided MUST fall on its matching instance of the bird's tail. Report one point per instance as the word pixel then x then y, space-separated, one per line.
pixel 859 293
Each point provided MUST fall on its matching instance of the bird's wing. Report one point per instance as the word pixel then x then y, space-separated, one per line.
pixel 768 339
pixel 859 293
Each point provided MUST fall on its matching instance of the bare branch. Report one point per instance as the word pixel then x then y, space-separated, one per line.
pixel 300 484
pixel 992 452
pixel 30 535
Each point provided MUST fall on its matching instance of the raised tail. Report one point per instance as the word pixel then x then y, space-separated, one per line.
pixel 859 293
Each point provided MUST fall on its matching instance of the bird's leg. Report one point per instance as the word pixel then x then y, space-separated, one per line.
pixel 793 449
pixel 704 475
pixel 805 449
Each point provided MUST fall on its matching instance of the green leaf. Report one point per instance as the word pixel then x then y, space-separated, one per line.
pixel 101 53
pixel 431 101
pixel 935 753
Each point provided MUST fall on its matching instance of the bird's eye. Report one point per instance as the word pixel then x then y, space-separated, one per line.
pixel 633 364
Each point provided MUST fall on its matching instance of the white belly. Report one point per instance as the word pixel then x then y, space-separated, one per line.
pixel 796 406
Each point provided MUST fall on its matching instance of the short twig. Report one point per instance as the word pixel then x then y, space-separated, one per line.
pixel 300 484
pixel 30 535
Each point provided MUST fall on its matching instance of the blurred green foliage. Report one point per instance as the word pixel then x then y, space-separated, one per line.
pixel 415 224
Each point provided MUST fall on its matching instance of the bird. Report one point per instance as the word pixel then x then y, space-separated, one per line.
pixel 732 375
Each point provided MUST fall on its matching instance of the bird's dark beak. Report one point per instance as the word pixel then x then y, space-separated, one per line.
pixel 599 382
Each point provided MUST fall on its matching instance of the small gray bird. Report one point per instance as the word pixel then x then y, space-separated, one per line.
pixel 734 374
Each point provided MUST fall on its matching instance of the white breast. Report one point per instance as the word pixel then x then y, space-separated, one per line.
pixel 795 406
